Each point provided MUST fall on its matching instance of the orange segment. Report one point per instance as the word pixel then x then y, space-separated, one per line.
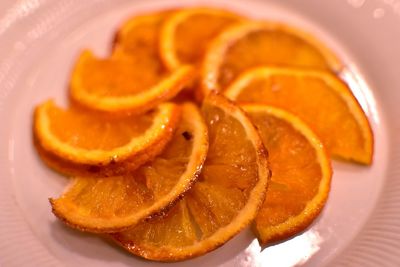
pixel 225 199
pixel 317 97
pixel 301 174
pixel 89 140
pixel 186 33
pixel 114 203
pixel 251 44
pixel 134 79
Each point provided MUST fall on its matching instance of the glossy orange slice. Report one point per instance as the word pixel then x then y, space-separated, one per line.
pixel 186 33
pixel 301 174
pixel 319 98
pixel 252 44
pixel 225 199
pixel 134 79
pixel 114 203
pixel 89 142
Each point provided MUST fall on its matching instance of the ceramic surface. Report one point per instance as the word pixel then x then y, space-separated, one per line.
pixel 39 41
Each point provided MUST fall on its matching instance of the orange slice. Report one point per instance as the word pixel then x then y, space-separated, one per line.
pixel 114 203
pixel 121 85
pixel 133 79
pixel 186 33
pixel 320 99
pixel 251 44
pixel 301 174
pixel 92 142
pixel 225 199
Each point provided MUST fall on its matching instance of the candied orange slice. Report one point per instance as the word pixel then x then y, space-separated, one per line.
pixel 224 200
pixel 120 85
pixel 88 140
pixel 114 203
pixel 186 33
pixel 301 173
pixel 133 79
pixel 319 98
pixel 250 44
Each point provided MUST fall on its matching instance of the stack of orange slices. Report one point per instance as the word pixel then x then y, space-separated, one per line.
pixel 169 178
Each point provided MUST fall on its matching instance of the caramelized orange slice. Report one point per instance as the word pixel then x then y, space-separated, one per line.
pixel 91 142
pixel 251 44
pixel 186 33
pixel 133 79
pixel 301 174
pixel 319 98
pixel 225 199
pixel 115 203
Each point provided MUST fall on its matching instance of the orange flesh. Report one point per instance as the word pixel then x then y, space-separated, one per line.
pixel 133 70
pixel 321 108
pixel 108 197
pixel 268 48
pixel 296 173
pixel 123 195
pixel 228 175
pixel 194 33
pixel 141 45
pixel 91 130
pixel 163 173
pixel 114 78
pixel 172 229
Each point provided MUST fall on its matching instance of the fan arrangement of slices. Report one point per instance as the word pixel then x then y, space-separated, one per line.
pixel 200 123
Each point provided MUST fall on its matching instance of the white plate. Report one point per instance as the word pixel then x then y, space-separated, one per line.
pixel 39 41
